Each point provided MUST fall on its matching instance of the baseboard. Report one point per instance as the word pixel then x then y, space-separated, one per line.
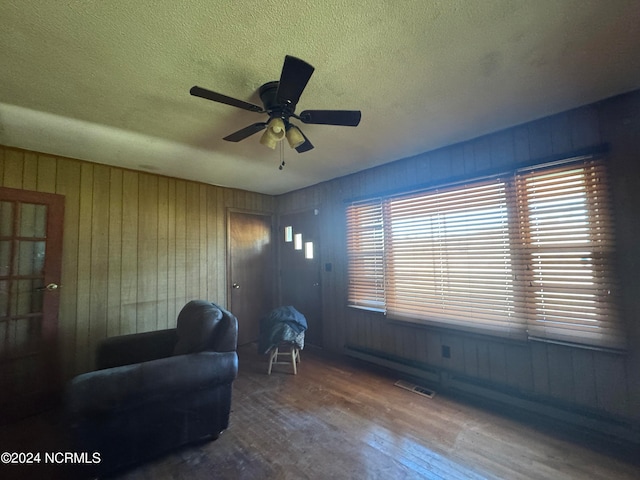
pixel 599 424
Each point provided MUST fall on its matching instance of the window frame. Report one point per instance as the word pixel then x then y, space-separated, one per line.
pixel 522 325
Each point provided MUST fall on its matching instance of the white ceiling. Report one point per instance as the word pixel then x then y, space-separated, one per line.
pixel 108 81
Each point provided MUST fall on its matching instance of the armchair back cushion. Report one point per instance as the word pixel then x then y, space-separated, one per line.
pixel 196 326
pixel 205 326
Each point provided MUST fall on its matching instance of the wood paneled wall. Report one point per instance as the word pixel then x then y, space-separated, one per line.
pixel 586 380
pixel 137 246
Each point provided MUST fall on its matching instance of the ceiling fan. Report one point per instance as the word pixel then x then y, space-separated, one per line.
pixel 279 100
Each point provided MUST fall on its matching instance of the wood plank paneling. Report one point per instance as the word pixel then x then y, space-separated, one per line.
pixel 561 377
pixel 498 363
pixel 162 291
pixel 561 133
pixel 13 168
pixel 172 307
pixel 472 362
pixel 611 385
pixel 180 244
pixel 592 380
pixel 584 128
pixel 584 370
pixel 30 171
pixel 540 143
pixel 129 265
pixel 137 246
pixel 469 158
pixel 203 240
pixel 440 161
pixel 68 181
pixel 99 262
pixel 480 353
pixel 521 150
pixel 482 153
pixel 83 290
pixel 47 170
pixel 114 283
pixel 192 241
pixel 518 361
pixel 502 150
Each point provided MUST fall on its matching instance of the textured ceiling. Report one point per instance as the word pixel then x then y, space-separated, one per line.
pixel 108 81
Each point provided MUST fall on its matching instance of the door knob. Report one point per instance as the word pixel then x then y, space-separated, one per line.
pixel 235 285
pixel 51 287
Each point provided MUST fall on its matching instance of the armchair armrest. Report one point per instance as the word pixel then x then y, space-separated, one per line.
pixel 135 348
pixel 115 388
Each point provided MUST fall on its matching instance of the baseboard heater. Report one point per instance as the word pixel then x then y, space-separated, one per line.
pixel 453 383
pixel 418 372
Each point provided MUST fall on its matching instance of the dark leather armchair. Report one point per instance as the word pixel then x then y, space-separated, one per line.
pixel 156 391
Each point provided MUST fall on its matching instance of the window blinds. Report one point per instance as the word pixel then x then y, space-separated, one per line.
pixel 566 242
pixel 449 258
pixel 365 247
pixel 525 256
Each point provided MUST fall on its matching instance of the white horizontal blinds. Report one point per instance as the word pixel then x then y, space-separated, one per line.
pixel 365 247
pixel 448 259
pixel 566 234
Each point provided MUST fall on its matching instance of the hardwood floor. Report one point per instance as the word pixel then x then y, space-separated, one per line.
pixel 341 419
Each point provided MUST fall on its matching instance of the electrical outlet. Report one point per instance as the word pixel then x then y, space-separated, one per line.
pixel 446 351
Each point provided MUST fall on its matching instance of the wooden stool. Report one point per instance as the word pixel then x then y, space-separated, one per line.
pixel 291 351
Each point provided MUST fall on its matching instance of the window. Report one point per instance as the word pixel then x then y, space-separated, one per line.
pixel 566 241
pixel 288 234
pixel 365 244
pixel 522 256
pixel 308 250
pixel 449 257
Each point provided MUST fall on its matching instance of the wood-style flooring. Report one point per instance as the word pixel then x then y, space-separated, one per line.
pixel 341 419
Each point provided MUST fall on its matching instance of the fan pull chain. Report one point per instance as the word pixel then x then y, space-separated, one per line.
pixel 281 157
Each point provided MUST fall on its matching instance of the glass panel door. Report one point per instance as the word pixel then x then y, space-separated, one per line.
pixel 30 264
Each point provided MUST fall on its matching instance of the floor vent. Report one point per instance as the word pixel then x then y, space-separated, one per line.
pixel 412 387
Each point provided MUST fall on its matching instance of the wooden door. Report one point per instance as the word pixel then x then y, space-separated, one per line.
pixel 300 269
pixel 251 265
pixel 30 265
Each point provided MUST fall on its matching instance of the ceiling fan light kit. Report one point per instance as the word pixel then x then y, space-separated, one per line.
pixel 294 136
pixel 268 140
pixel 279 100
pixel 274 133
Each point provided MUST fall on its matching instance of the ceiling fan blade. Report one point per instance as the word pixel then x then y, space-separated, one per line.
pixel 293 79
pixel 348 118
pixel 245 132
pixel 220 98
pixel 306 146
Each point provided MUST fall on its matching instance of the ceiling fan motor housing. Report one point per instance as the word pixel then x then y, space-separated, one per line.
pixel 267 94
